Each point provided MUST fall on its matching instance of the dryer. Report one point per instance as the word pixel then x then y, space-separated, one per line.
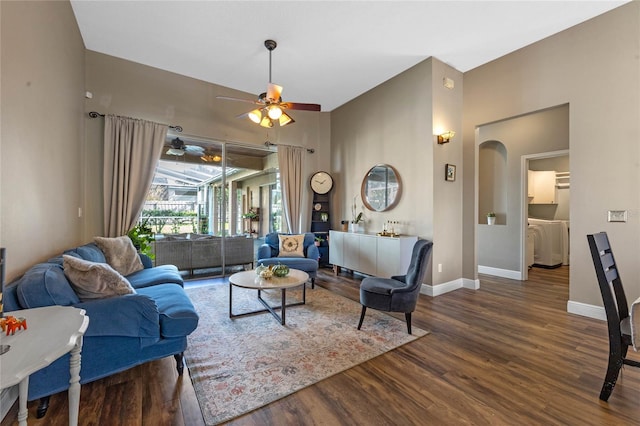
pixel 550 241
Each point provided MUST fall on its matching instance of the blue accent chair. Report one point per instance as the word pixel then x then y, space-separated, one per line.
pixel 398 293
pixel 268 255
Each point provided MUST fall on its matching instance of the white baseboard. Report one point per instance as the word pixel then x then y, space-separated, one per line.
pixel 585 310
pixel 471 284
pixel 437 290
pixel 497 272
pixel 7 397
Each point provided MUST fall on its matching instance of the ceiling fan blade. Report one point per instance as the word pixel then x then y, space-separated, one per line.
pixel 175 151
pixel 194 150
pixel 274 91
pixel 300 107
pixel 228 98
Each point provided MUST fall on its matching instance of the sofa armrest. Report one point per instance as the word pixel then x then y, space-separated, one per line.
pixel 313 252
pixel 146 261
pixel 264 251
pixel 131 315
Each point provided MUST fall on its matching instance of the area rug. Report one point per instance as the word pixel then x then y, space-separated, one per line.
pixel 240 364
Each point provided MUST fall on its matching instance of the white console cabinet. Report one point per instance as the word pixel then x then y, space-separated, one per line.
pixel 370 254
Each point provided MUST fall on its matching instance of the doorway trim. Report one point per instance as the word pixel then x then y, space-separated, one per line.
pixel 524 206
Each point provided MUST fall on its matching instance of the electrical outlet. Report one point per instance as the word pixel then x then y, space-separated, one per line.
pixel 617 216
pixel 439 267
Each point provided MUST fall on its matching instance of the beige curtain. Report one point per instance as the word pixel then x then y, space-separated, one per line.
pixel 290 164
pixel 132 149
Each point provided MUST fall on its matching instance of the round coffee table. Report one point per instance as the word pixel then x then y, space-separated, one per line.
pixel 250 280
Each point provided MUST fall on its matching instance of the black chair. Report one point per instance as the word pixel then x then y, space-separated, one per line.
pixel 616 308
pixel 398 293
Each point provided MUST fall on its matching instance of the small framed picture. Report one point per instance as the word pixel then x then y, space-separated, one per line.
pixel 449 172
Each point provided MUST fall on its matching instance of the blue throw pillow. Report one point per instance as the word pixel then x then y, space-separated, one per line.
pixel 45 285
pixel 89 252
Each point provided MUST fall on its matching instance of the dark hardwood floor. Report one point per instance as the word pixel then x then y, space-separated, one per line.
pixel 508 353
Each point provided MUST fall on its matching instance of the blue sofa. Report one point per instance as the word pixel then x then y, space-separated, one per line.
pixel 269 251
pixel 124 331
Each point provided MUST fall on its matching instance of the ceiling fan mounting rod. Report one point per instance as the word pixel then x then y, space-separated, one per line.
pixel 270 45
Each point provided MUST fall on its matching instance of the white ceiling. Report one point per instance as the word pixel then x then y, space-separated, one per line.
pixel 329 52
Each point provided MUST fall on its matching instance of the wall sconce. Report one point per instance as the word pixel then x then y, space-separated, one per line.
pixel 445 137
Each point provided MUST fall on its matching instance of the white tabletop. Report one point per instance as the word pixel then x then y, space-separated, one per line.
pixel 249 279
pixel 52 331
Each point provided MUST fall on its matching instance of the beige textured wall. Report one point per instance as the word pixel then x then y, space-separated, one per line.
pixel 126 88
pixel 500 245
pixel 42 151
pixel 390 124
pixel 447 195
pixel 393 124
pixel 595 68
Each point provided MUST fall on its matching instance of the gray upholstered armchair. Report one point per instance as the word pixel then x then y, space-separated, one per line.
pixel 398 293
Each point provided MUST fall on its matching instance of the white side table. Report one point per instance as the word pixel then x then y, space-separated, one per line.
pixel 51 332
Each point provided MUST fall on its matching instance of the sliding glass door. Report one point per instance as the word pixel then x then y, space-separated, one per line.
pixel 211 203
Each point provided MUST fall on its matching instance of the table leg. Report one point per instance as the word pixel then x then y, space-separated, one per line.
pixel 283 304
pixel 23 393
pixel 74 383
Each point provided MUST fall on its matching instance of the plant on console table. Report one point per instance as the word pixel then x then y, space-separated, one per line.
pixel 357 218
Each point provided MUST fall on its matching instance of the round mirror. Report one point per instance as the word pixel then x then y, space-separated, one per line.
pixel 381 188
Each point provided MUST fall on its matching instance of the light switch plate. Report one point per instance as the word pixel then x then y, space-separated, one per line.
pixel 617 216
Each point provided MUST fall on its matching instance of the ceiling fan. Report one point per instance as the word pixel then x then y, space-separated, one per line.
pixel 270 106
pixel 179 148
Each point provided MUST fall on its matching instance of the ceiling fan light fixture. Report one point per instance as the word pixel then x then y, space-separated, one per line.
pixel 275 112
pixel 255 115
pixel 211 158
pixel 266 122
pixel 285 119
pixel 270 106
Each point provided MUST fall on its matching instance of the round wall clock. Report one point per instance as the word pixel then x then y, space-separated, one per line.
pixel 321 182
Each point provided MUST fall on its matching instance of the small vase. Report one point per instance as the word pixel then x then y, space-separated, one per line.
pixel 491 220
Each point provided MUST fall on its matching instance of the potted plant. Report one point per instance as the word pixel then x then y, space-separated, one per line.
pixel 356 217
pixel 318 240
pixel 491 218
pixel 141 236
pixel 252 214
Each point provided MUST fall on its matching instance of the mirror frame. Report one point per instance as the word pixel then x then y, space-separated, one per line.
pixel 363 187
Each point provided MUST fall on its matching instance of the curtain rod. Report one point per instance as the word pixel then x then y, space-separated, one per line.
pixel 309 150
pixel 94 114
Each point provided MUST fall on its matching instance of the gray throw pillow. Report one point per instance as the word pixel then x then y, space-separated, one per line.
pixel 91 280
pixel 120 253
